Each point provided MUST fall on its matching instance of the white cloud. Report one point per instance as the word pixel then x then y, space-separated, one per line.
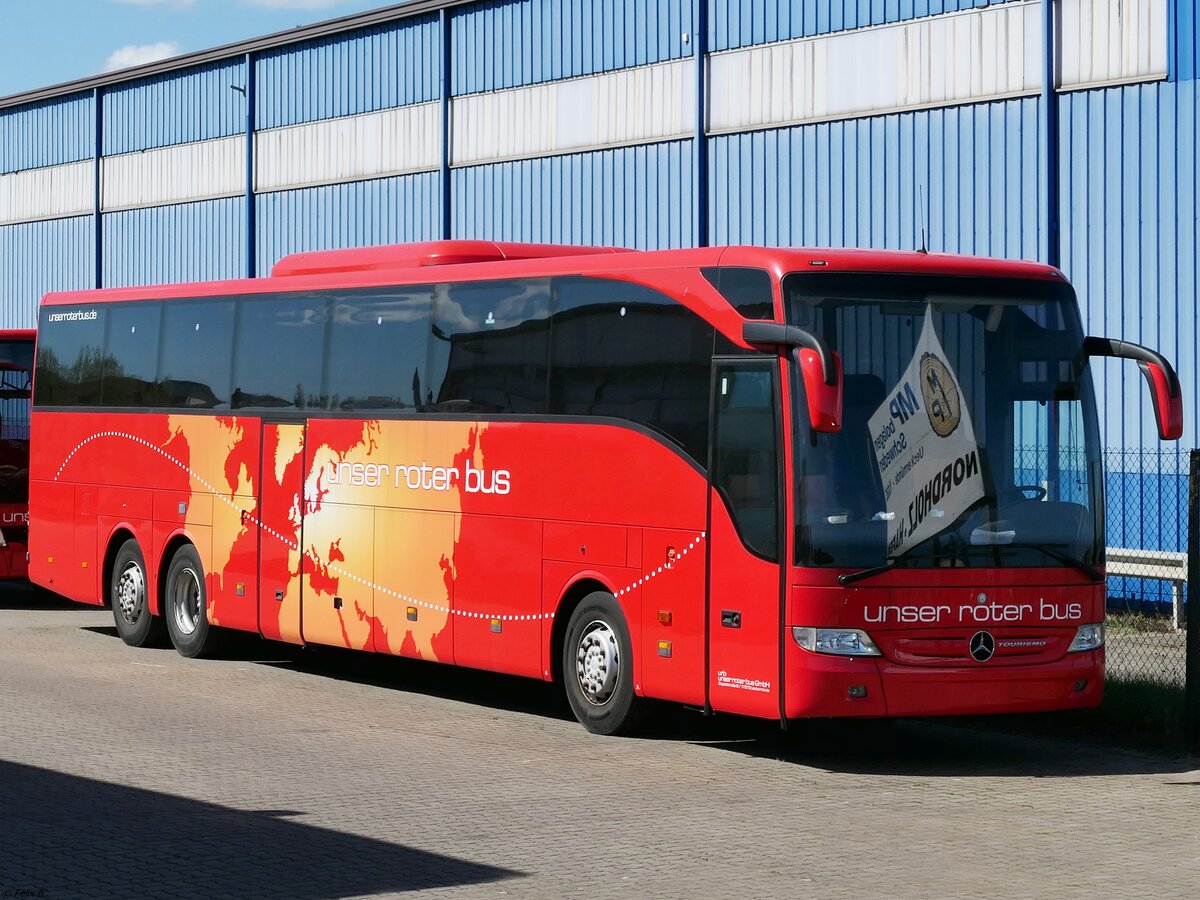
pixel 170 4
pixel 294 4
pixel 137 55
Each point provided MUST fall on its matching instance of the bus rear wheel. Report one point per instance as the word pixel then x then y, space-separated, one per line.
pixel 598 667
pixel 185 605
pixel 130 599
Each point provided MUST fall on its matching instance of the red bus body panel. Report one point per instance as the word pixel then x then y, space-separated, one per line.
pixel 458 540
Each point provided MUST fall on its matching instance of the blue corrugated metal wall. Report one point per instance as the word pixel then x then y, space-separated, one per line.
pixel 384 211
pixel 55 255
pixel 631 197
pixel 46 134
pixel 194 105
pixel 378 68
pixel 742 24
pixel 201 241
pixel 504 44
pixel 970 174
pixel 1184 39
pixel 1129 211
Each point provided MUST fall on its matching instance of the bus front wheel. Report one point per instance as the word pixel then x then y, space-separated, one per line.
pixel 130 599
pixel 598 667
pixel 185 605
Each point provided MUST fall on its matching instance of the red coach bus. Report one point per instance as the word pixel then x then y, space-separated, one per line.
pixel 16 390
pixel 780 483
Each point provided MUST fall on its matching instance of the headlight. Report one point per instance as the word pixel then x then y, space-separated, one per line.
pixel 838 641
pixel 1088 637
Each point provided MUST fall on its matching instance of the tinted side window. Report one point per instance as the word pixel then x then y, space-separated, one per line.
pixel 489 347
pixel 745 469
pixel 197 337
pixel 278 352
pixel 132 345
pixel 378 343
pixel 747 290
pixel 626 351
pixel 71 362
pixel 16 387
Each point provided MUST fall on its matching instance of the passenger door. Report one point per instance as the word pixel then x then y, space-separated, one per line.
pixel 745 588
pixel 281 481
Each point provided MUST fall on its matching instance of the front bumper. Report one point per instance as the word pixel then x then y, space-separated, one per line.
pixel 820 686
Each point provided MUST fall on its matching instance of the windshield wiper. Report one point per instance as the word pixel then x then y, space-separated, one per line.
pixel 1066 559
pixel 851 577
pixel 1092 572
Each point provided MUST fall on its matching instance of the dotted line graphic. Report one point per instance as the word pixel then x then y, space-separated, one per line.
pixel 667 568
pixel 334 567
pixel 291 544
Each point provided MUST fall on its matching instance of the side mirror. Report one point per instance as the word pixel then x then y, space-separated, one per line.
pixel 1160 377
pixel 820 369
pixel 824 399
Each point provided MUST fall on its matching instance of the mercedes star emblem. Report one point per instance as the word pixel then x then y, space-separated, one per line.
pixel 983 645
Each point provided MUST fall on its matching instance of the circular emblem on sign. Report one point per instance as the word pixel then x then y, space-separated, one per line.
pixel 982 646
pixel 941 396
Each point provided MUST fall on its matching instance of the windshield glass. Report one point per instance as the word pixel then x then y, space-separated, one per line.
pixel 969 431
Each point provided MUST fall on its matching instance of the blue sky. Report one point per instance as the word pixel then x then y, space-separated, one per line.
pixel 45 42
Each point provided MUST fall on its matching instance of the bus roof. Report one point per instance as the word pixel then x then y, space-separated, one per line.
pixel 482 260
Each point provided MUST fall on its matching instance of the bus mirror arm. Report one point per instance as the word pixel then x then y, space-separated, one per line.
pixel 820 368
pixel 772 334
pixel 1160 378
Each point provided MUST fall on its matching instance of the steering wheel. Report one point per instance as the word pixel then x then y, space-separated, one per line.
pixel 1024 490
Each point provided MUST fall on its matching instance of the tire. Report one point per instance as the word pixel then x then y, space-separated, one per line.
pixel 185 605
pixel 598 667
pixel 130 599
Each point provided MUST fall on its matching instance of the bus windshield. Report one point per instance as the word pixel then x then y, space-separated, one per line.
pixel 969 435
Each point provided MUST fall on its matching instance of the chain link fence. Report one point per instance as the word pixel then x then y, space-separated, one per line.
pixel 1149 507
pixel 1147 534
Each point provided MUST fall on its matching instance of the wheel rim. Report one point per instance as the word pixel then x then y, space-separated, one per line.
pixel 131 592
pixel 185 600
pixel 597 663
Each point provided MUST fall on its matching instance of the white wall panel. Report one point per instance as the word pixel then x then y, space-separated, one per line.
pixel 937 61
pixel 632 106
pixel 1112 41
pixel 48 193
pixel 178 174
pixel 375 145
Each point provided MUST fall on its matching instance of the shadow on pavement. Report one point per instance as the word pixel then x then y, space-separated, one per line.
pixel 903 747
pixel 462 685
pixel 485 689
pixel 70 836
pixel 935 749
pixel 23 595
pixel 938 749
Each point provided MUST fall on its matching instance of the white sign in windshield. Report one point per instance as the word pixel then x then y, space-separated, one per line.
pixel 925 448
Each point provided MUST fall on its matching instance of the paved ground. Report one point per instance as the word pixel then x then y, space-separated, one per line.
pixel 281 773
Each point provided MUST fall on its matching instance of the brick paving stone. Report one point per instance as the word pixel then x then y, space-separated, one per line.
pixel 277 771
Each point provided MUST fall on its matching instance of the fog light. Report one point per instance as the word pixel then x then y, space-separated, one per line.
pixel 857 691
pixel 1080 685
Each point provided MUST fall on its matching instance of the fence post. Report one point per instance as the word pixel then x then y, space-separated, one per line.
pixel 1191 723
